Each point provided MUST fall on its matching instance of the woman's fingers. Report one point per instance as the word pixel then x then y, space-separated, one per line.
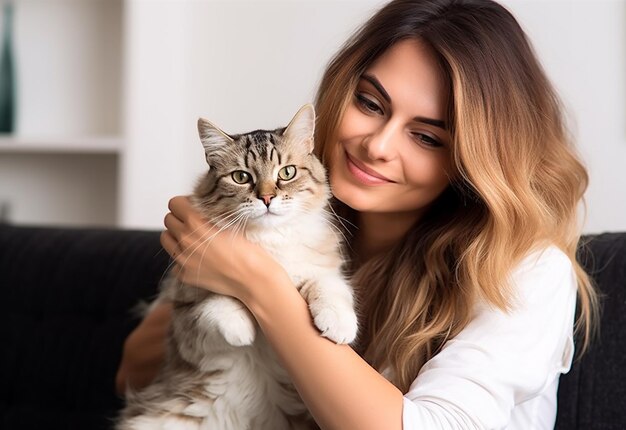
pixel 180 207
pixel 170 244
pixel 176 270
pixel 174 225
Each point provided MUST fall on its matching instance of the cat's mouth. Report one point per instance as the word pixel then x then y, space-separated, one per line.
pixel 267 219
pixel 267 213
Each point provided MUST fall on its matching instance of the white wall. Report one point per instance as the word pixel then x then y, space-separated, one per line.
pixel 251 64
pixel 243 64
pixel 582 45
pixel 67 67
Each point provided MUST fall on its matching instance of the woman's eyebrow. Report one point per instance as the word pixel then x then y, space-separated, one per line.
pixel 376 83
pixel 434 122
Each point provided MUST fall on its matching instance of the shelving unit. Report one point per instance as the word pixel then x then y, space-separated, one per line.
pixel 62 164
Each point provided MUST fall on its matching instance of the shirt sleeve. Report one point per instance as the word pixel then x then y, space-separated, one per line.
pixel 500 359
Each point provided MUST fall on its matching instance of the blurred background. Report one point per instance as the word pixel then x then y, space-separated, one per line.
pixel 103 98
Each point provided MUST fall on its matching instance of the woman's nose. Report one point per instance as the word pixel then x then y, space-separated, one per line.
pixel 379 145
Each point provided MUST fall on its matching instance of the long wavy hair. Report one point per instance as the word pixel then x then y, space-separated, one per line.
pixel 517 181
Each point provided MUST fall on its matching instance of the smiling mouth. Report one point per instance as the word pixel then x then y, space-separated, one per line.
pixel 364 175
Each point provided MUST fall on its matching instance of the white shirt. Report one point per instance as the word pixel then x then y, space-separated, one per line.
pixel 502 370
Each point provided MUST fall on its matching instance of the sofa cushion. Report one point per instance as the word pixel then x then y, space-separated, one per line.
pixel 64 315
pixel 593 394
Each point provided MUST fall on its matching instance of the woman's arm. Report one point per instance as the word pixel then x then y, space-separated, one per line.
pixel 340 389
pixel 144 350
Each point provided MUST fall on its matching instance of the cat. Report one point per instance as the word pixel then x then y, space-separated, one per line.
pixel 220 372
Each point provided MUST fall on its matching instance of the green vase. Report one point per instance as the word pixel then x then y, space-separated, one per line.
pixel 7 79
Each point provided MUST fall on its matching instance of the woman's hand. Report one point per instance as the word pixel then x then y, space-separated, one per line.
pixel 144 350
pixel 220 261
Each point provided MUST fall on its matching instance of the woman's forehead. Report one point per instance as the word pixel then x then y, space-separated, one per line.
pixel 410 74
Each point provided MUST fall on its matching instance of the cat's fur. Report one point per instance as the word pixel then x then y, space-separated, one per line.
pixel 220 372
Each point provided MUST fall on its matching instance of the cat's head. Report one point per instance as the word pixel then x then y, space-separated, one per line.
pixel 264 178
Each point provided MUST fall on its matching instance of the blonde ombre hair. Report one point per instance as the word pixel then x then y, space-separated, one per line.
pixel 516 186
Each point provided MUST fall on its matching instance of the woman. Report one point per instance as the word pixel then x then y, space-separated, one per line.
pixel 446 148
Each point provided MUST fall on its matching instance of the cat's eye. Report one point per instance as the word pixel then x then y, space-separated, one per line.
pixel 241 177
pixel 287 173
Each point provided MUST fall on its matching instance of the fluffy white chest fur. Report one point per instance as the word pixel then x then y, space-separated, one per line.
pixel 304 248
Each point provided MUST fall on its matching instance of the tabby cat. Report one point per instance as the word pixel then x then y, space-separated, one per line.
pixel 220 372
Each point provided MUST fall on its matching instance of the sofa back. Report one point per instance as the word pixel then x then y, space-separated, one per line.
pixel 593 394
pixel 66 300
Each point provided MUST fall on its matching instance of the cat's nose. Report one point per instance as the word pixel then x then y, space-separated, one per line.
pixel 267 199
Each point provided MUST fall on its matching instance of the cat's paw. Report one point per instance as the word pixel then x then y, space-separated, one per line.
pixel 337 323
pixel 238 329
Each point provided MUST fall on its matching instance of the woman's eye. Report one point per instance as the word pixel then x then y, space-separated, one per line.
pixel 287 173
pixel 367 104
pixel 241 177
pixel 427 140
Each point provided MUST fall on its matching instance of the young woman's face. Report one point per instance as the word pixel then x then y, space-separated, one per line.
pixel 393 148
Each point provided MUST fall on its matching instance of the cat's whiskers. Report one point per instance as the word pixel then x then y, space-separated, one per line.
pixel 209 239
pixel 212 221
pixel 173 260
pixel 340 218
pixel 241 227
pixel 297 208
pixel 215 223
pixel 341 231
pixel 219 219
pixel 241 214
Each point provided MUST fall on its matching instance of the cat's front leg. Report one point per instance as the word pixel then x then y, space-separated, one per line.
pixel 232 319
pixel 331 304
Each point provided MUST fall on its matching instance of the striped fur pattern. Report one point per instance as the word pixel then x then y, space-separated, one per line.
pixel 220 372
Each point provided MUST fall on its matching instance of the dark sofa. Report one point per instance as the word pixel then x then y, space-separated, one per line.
pixel 66 297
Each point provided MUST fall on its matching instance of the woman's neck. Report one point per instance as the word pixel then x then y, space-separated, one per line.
pixel 378 232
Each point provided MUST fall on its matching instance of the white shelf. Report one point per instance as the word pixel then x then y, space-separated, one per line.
pixel 60 145
pixel 62 165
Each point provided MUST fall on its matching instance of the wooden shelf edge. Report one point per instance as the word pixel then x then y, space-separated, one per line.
pixel 14 144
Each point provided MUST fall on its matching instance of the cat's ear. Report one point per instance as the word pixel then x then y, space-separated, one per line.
pixel 302 126
pixel 212 137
